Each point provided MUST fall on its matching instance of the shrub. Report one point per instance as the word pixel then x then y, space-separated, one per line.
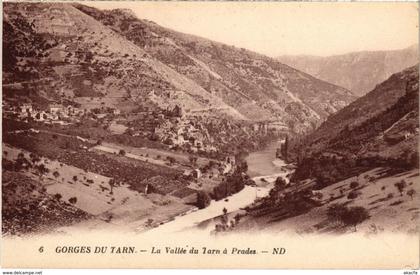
pixel 411 193
pixel 335 211
pixel 73 200
pixel 354 216
pixel 280 183
pixel 401 185
pixel 354 184
pixel 58 196
pixel 318 195
pixel 390 196
pixel 121 152
pixel 348 216
pixel 353 194
pixel 170 159
pixel 56 174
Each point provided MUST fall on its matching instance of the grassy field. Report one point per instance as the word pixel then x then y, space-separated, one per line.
pixel 119 205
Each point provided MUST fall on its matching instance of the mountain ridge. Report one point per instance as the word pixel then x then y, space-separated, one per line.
pixel 118 59
pixel 348 70
pixel 378 129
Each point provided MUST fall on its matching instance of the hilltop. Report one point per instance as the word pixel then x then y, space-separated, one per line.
pixel 351 70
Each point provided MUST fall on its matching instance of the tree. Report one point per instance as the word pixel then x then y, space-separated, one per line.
pixel 203 199
pixel 56 174
pixel 170 159
pixel 73 200
pixel 355 215
pixel 280 183
pixel 237 218
pixel 57 196
pixel 354 184
pixel 74 178
pixel 42 169
pixel 318 195
pixel 111 184
pixel 149 222
pixel 411 193
pixel 401 185
pixel 353 194
pixel 121 152
pixel 243 166
pixel 348 216
pixel 336 211
pixel 285 148
pixel 192 159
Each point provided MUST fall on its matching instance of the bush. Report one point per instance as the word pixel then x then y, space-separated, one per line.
pixel 318 195
pixel 354 216
pixel 73 200
pixel 411 193
pixel 121 152
pixel 336 211
pixel 203 199
pixel 354 184
pixel 280 183
pixel 348 216
pixel 56 174
pixel 58 196
pixel 401 185
pixel 353 194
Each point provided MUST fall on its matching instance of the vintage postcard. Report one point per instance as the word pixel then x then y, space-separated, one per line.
pixel 210 135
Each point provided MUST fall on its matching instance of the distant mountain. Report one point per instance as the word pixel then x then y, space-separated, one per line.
pixel 56 51
pixel 358 71
pixel 378 129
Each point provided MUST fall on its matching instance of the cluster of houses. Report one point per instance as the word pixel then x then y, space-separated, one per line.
pixel 219 168
pixel 54 113
pixel 186 133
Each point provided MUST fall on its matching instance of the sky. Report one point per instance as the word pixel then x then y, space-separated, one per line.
pixel 286 28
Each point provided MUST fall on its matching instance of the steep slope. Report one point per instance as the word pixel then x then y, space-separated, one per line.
pixel 76 57
pixel 378 129
pixel 257 86
pixel 351 70
pixel 358 171
pixel 58 51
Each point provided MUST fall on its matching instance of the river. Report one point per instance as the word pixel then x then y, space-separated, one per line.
pixel 263 167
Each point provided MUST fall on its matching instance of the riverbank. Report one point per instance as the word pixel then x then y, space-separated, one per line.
pixel 263 167
pixel 264 162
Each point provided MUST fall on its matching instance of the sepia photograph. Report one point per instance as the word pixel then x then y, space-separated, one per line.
pixel 153 134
